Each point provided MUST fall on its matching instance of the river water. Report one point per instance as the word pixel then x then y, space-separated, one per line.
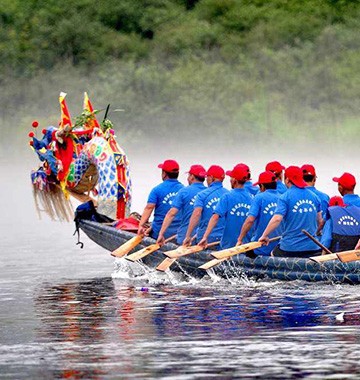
pixel 67 313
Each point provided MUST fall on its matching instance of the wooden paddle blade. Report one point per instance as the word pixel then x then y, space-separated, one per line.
pixel 165 264
pixel 236 250
pixel 127 247
pixel 349 256
pixel 175 252
pixel 321 258
pixel 184 251
pixel 143 252
pixel 212 263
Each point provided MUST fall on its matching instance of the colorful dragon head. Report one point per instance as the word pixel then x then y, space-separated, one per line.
pixel 79 159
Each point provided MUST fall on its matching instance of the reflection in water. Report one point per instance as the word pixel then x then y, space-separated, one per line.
pixel 103 328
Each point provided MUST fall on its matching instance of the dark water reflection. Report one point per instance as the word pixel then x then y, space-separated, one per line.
pixel 108 329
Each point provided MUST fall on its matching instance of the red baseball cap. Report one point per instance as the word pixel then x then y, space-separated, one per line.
pixel 347 181
pixel 240 172
pixel 197 170
pixel 170 166
pixel 308 170
pixel 275 167
pixel 266 177
pixel 336 201
pixel 214 171
pixel 295 175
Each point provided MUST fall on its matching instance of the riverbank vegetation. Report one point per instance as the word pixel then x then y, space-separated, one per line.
pixel 229 67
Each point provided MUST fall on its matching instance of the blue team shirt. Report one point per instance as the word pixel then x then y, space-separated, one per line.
pixel 299 208
pixel 351 200
pixel 253 190
pixel 234 206
pixel 262 209
pixel 324 200
pixel 343 221
pixel 184 202
pixel 162 196
pixel 208 200
pixel 280 187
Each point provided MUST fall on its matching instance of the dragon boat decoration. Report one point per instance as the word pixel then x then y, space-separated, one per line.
pixel 83 160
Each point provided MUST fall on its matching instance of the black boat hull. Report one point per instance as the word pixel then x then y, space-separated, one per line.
pixel 272 267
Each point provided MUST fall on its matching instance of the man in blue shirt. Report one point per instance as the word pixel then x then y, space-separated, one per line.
pixel 300 209
pixel 205 203
pixel 160 200
pixel 261 211
pixel 346 186
pixel 342 228
pixel 184 202
pixel 277 169
pixel 309 175
pixel 234 207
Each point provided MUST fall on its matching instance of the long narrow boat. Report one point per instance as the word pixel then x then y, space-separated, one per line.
pixel 272 267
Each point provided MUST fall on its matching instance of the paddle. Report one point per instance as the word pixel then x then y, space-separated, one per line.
pixel 321 258
pixel 180 252
pixel 127 247
pixel 317 242
pixel 146 251
pixel 229 252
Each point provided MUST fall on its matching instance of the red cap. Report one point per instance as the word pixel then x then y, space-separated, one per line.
pixel 295 175
pixel 347 181
pixel 170 166
pixel 240 172
pixel 197 170
pixel 274 167
pixel 336 201
pixel 214 171
pixel 266 177
pixel 308 170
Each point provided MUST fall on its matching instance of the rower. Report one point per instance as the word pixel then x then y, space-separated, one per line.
pixel 277 169
pixel 309 175
pixel 300 209
pixel 253 190
pixel 205 203
pixel 262 209
pixel 346 186
pixel 184 202
pixel 342 228
pixel 160 200
pixel 233 207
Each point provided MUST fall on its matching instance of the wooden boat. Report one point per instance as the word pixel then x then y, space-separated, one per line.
pixel 271 267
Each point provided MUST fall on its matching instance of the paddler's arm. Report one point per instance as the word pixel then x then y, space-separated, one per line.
pixel 273 224
pixel 145 218
pixel 166 223
pixel 194 220
pixel 212 224
pixel 245 229
pixel 320 222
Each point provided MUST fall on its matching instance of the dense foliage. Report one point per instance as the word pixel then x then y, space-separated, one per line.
pixel 240 65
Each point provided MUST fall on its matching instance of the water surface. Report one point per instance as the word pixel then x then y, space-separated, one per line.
pixel 69 313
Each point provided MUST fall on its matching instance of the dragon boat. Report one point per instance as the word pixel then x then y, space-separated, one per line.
pixel 288 269
pixel 83 159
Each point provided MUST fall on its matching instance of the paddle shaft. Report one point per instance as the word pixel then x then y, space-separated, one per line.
pixel 316 242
